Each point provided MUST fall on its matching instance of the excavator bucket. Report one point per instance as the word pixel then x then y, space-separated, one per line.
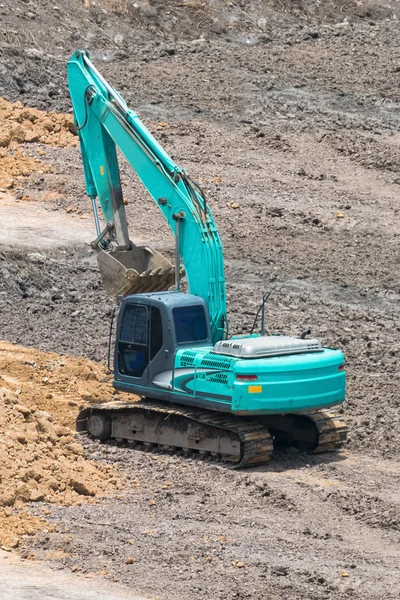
pixel 140 269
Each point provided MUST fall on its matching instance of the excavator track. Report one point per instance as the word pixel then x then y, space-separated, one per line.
pixel 315 431
pixel 241 441
pixel 331 428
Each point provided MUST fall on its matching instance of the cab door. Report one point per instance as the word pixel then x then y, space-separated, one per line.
pixel 133 343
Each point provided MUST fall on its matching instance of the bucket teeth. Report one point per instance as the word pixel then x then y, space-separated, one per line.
pixel 135 271
pixel 150 281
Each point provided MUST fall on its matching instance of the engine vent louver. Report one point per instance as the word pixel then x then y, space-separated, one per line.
pixel 210 360
pixel 187 358
pixel 219 378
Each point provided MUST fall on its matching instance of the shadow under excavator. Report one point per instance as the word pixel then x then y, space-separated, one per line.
pixel 284 457
pixel 292 458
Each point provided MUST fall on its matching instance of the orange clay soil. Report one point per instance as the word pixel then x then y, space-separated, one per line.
pixel 41 456
pixel 19 125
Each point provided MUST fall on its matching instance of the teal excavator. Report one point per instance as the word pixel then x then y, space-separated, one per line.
pixel 201 391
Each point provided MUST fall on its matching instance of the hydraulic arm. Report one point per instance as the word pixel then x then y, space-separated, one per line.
pixel 103 123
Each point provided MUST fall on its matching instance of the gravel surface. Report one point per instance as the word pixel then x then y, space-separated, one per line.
pixel 290 110
pixel 32 581
pixel 301 527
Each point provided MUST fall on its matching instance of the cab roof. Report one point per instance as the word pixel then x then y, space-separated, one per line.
pixel 170 298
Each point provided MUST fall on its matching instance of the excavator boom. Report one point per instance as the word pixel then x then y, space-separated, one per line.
pixel 105 123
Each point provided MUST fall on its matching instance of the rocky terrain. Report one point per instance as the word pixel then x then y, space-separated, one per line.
pixel 287 114
pixel 43 461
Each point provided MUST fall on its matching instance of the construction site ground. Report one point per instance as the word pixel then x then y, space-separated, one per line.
pixel 287 114
pixel 22 580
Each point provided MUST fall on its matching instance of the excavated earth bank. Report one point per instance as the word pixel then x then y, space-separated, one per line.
pixel 287 113
pixel 42 460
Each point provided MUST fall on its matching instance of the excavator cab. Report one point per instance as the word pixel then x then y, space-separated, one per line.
pixel 150 328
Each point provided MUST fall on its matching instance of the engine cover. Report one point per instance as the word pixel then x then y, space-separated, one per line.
pixel 268 345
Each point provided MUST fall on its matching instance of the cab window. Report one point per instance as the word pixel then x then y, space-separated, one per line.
pixel 134 325
pixel 190 324
pixel 133 355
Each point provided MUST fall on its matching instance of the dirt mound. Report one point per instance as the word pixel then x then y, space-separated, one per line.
pixel 19 125
pixel 42 459
pixel 16 166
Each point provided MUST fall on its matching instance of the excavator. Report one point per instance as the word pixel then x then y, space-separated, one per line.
pixel 230 399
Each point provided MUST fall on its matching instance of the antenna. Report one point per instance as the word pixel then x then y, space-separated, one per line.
pixel 265 297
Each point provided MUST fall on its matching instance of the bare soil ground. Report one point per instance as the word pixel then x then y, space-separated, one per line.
pixel 22 580
pixel 291 110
